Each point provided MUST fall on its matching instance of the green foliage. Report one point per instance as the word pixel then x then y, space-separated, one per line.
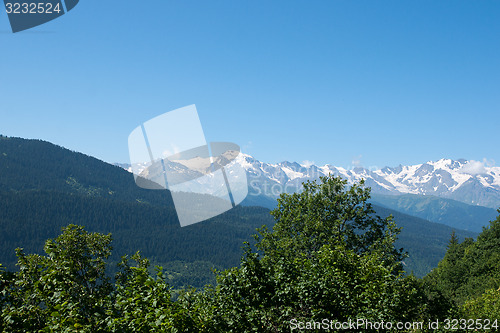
pixel 44 187
pixel 327 257
pixel 485 306
pixel 28 218
pixel 67 290
pixel 5 296
pixel 469 268
pixel 465 283
pixel 64 290
pixel 328 213
pixel 142 303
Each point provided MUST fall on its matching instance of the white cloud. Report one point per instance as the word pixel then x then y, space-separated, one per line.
pixel 476 167
pixel 307 163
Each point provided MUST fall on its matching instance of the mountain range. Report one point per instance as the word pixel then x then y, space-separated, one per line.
pixel 470 182
pixel 461 194
pixel 44 187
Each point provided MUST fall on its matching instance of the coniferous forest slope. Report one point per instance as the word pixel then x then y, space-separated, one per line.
pixel 449 212
pixel 329 263
pixel 44 187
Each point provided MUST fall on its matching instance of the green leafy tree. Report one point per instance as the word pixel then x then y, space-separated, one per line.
pixel 328 257
pixel 64 290
pixel 5 297
pixel 486 306
pixel 469 268
pixel 142 303
pixel 443 283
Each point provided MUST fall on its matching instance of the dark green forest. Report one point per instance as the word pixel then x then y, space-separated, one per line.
pixel 449 212
pixel 44 187
pixel 328 260
pixel 96 253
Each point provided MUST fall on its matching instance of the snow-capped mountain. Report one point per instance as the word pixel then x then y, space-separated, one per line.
pixel 471 182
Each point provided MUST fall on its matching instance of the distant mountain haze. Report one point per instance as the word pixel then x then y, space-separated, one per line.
pixel 44 187
pixel 461 194
pixel 471 182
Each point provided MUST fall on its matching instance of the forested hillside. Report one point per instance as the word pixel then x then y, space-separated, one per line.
pixel 329 263
pixel 29 217
pixel 446 211
pixel 44 187
pixel 469 274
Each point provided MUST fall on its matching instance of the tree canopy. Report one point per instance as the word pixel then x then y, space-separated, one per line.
pixel 328 259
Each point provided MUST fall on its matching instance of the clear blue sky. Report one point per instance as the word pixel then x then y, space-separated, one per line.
pixel 386 82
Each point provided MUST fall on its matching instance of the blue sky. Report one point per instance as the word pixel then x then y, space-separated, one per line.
pixel 380 82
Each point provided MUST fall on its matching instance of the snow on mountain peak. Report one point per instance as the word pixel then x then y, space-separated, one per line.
pixel 467 181
pixel 472 182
